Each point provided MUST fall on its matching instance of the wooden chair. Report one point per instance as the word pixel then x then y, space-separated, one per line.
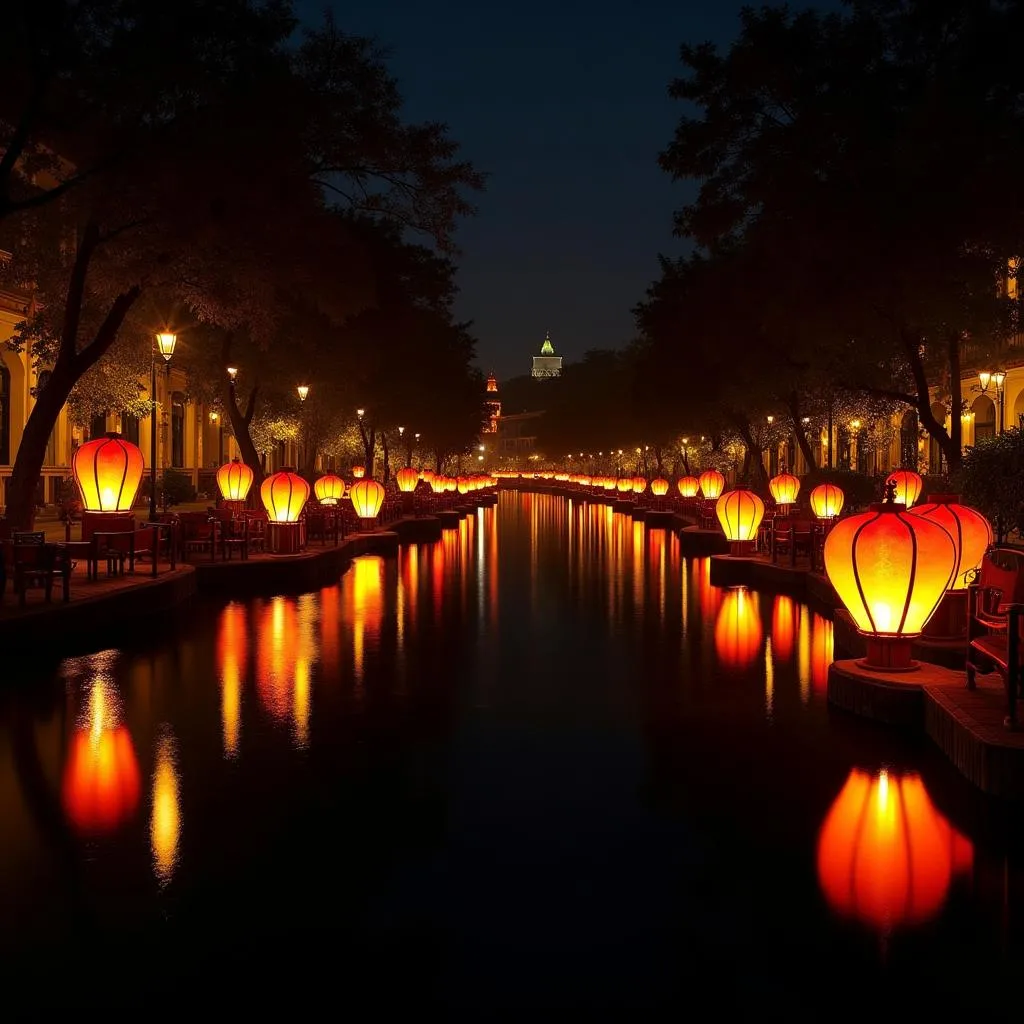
pixel 234 535
pixel 199 533
pixel 995 623
pixel 35 561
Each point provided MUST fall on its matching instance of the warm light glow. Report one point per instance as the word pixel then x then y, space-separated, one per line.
pixel 427 476
pixel 659 487
pixel 688 486
pixel 908 485
pixel 784 488
pixel 738 630
pixel 740 513
pixel 407 479
pixel 165 822
pixel 639 485
pixel 886 856
pixel 625 485
pixel 827 501
pixel 284 495
pixel 234 479
pixel 712 483
pixel 101 784
pixel 890 568
pixel 358 472
pixel 437 484
pixel 232 659
pixel 165 342
pixel 329 489
pixel 108 472
pixel 970 530
pixel 784 626
pixel 303 390
pixel 367 497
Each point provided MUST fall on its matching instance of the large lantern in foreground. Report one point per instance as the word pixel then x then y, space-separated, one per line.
pixel 659 487
pixel 367 497
pixel 908 486
pixel 740 513
pixel 407 479
pixel 234 479
pixel 886 856
pixel 329 489
pixel 827 501
pixel 890 569
pixel 712 483
pixel 970 530
pixel 688 486
pixel 784 488
pixel 108 472
pixel 284 495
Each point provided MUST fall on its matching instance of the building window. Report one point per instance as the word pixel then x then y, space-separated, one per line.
pixel 984 410
pixel 5 415
pixel 130 427
pixel 177 430
pixel 908 440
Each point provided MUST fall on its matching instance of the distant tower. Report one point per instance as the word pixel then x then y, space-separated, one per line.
pixel 493 404
pixel 547 364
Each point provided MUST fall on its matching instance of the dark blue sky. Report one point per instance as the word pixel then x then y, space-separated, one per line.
pixel 566 105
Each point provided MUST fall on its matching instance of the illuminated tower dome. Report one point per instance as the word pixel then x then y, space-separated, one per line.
pixel 493 405
pixel 547 364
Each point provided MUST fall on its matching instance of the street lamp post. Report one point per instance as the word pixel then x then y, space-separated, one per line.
pixel 994 379
pixel 163 343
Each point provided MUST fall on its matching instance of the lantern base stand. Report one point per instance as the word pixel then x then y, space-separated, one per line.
pixel 741 548
pixel 103 522
pixel 236 507
pixel 283 538
pixel 888 654
pixel 367 525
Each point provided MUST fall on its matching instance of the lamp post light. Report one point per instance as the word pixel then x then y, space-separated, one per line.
pixel 994 379
pixel 163 343
pixel 303 390
pixel 215 418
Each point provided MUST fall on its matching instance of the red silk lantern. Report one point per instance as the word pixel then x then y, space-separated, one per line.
pixel 358 472
pixel 886 856
pixel 283 495
pixel 908 486
pixel 367 497
pixel 659 487
pixel 688 486
pixel 234 479
pixel 740 513
pixel 108 472
pixel 827 501
pixel 329 489
pixel 890 569
pixel 712 483
pixel 970 530
pixel 784 488
pixel 407 479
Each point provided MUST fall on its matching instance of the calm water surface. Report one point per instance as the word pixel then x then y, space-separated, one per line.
pixel 540 763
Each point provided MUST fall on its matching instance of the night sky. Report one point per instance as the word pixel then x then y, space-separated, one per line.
pixel 566 106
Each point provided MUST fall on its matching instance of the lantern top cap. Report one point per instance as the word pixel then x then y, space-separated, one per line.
pixel 112 435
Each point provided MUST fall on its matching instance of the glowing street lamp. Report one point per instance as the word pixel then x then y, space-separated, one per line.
pixel 164 344
pixel 303 390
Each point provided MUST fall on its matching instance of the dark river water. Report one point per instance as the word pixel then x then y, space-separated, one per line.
pixel 539 764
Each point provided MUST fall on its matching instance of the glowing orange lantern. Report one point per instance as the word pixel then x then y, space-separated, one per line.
pixel 329 489
pixel 784 488
pixel 827 501
pixel 970 530
pixel 908 486
pixel 358 472
pixel 738 629
pixel 659 487
pixel 625 485
pixel 688 486
pixel 367 497
pixel 427 476
pixel 108 472
pixel 101 784
pixel 740 513
pixel 890 569
pixel 639 485
pixel 437 484
pixel 407 479
pixel 450 484
pixel 609 483
pixel 284 495
pixel 886 856
pixel 234 479
pixel 462 485
pixel 712 483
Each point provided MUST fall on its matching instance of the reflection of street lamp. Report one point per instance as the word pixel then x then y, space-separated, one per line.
pixel 164 343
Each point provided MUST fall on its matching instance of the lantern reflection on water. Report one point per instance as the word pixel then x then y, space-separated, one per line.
pixel 165 821
pixel 886 856
pixel 101 784
pixel 232 659
pixel 784 625
pixel 738 629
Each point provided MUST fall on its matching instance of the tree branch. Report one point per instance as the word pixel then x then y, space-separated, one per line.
pixel 76 291
pixel 107 334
